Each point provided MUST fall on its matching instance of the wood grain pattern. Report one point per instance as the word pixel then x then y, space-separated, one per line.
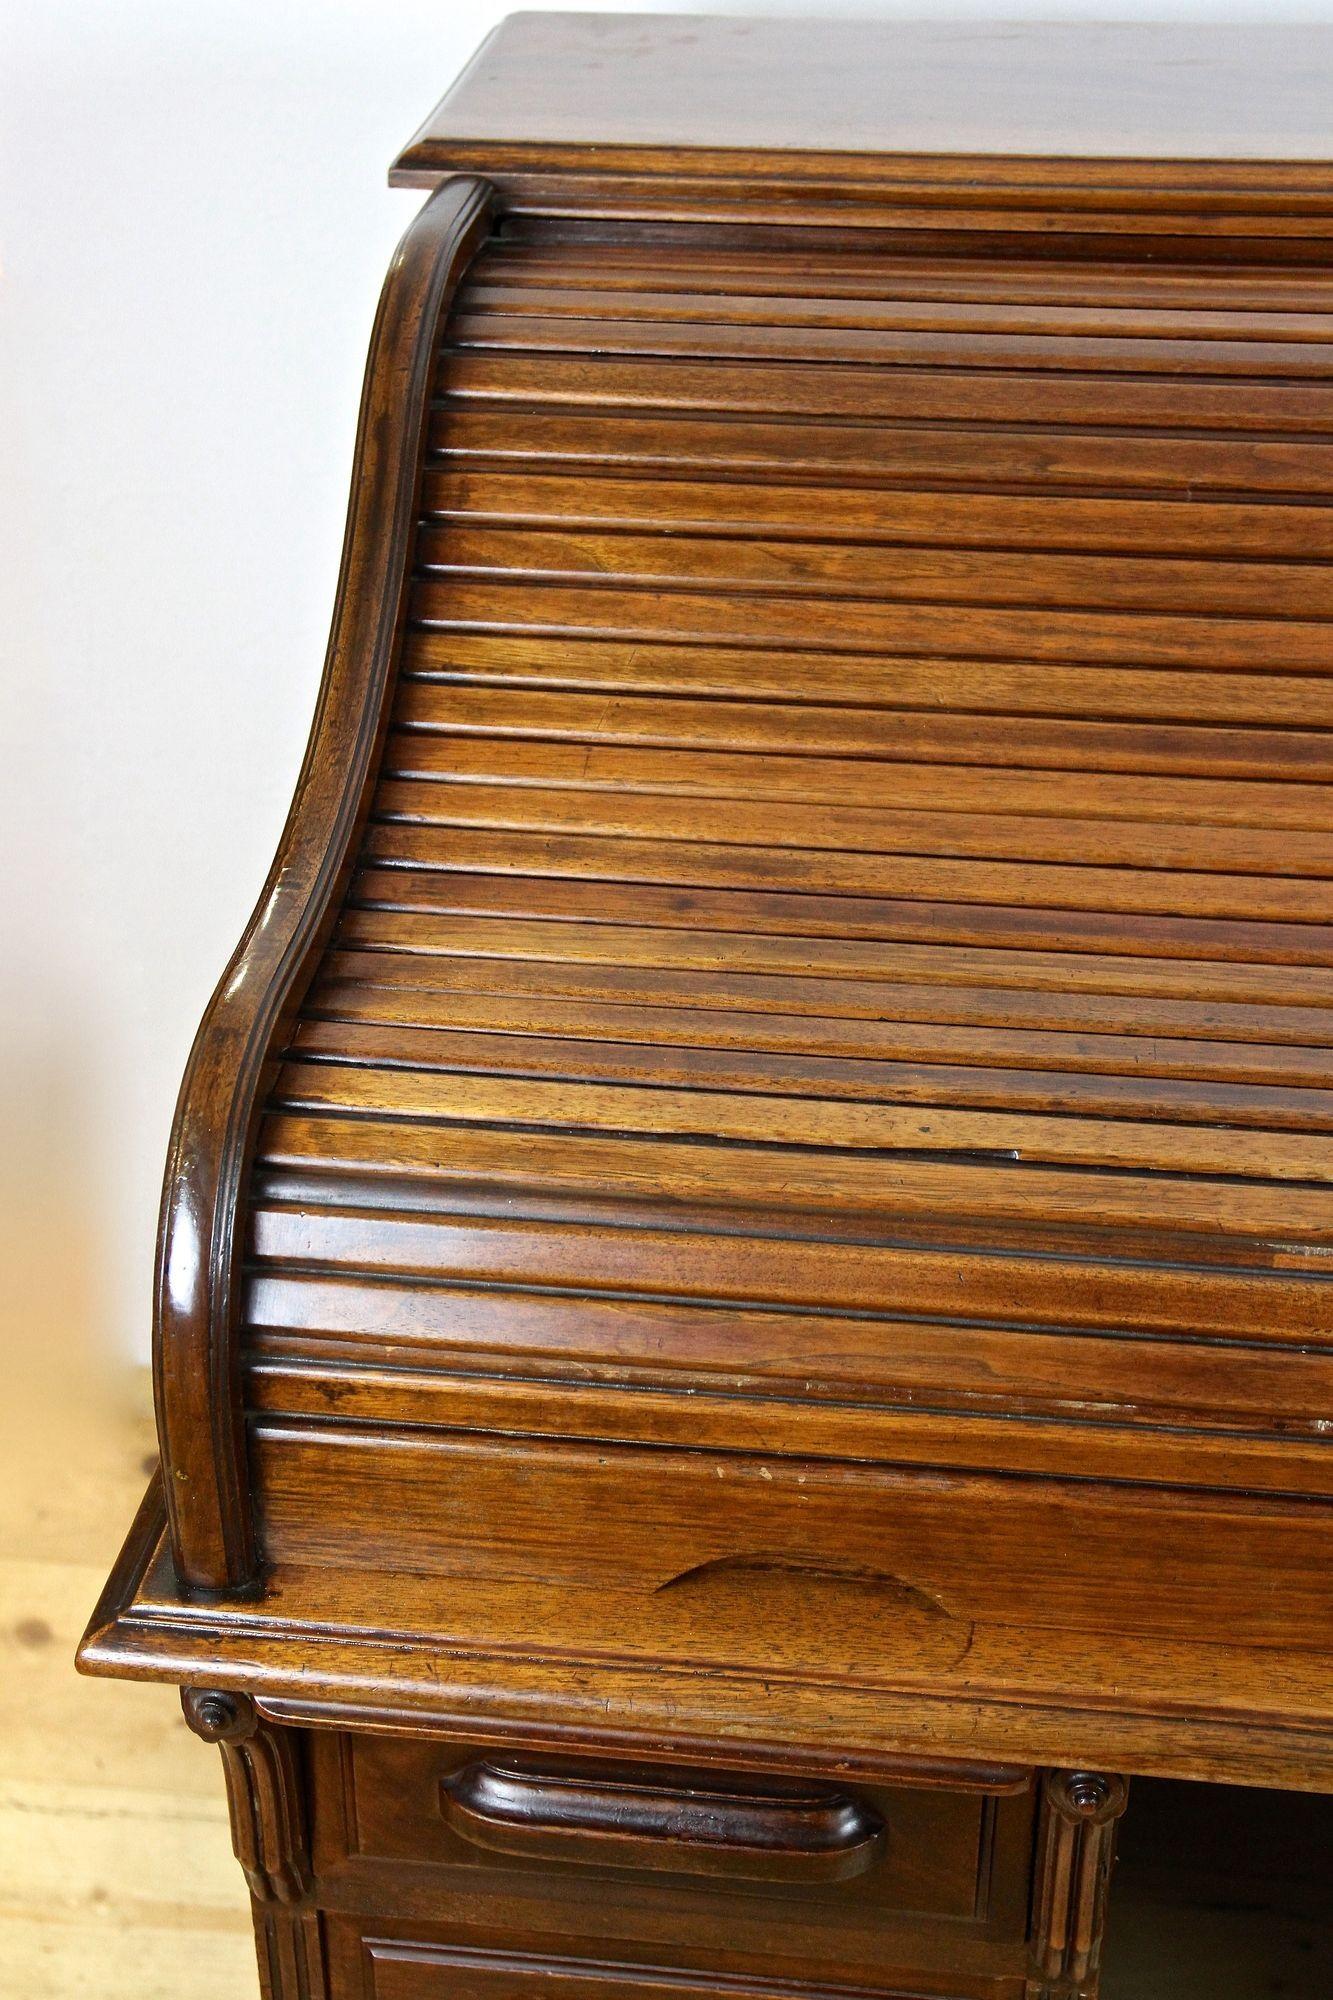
pixel 843 919
pixel 894 94
pixel 669 857
pixel 1076 1848
pixel 200 1243
pixel 268 1800
pixel 716 1678
pixel 750 1231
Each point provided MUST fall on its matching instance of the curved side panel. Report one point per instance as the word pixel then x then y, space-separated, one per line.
pixel 199 1416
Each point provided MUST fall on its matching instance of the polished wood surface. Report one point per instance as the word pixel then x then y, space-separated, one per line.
pixel 114 1823
pixel 842 1885
pixel 757 1200
pixel 1131 131
pixel 230 1066
pixel 687 1824
pixel 1082 89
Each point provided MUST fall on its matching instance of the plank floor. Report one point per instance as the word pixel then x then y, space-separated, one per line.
pixel 118 1876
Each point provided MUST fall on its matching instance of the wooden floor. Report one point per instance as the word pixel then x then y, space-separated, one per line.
pixel 118 1878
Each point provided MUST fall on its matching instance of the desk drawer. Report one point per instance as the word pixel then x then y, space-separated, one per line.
pixel 735 1873
pixel 374 1967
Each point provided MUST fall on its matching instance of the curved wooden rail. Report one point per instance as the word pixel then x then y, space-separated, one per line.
pixel 199 1414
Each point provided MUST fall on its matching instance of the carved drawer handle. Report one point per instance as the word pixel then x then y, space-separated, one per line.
pixel 626 1819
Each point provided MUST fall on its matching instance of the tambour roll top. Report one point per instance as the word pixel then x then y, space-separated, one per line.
pixel 796 1136
pixel 834 823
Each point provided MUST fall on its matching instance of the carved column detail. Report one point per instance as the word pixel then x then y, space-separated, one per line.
pixel 291 1953
pixel 265 1793
pixel 1075 1849
pixel 266 1798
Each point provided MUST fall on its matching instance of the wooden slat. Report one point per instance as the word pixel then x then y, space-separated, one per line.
pixel 821 275
pixel 1115 583
pixel 1095 850
pixel 292 1374
pixel 817 1271
pixel 1009 452
pixel 574 1056
pixel 854 514
pixel 989 790
pixel 1087 325
pixel 509 875
pixel 952 686
pixel 793 388
pixel 498 997
pixel 1251 645
pixel 797 1177
pixel 814 1355
pixel 886 735
pixel 786 1120
pixel 635 844
pixel 405 948
pixel 717 949
pixel 741 334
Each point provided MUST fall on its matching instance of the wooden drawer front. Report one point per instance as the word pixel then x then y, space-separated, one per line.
pixel 803 1879
pixel 738 1543
pixel 384 1968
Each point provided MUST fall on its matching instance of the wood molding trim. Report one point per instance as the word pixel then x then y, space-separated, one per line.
pixel 290 1948
pixel 1076 1833
pixel 270 1830
pixel 198 1403
pixel 265 1793
pixel 305 1675
pixel 1287 205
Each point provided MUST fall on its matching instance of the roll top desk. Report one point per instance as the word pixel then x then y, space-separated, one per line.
pixel 743 1329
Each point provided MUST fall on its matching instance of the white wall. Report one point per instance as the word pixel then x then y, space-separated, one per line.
pixel 193 227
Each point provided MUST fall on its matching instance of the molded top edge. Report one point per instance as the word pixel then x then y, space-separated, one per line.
pixel 582 91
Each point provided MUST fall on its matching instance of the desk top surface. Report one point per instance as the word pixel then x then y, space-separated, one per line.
pixel 568 82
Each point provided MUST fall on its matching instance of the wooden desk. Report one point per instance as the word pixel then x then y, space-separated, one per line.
pixel 744 1318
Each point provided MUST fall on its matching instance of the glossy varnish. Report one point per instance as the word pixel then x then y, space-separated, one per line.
pixel 758 1200
pixel 769 885
pixel 838 969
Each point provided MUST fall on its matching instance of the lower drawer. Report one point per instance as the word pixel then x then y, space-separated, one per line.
pixel 372 1966
pixel 623 1874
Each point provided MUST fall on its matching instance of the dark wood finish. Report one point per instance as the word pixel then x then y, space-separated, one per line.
pixel 1075 1852
pixel 264 1790
pixel 745 1307
pixel 200 1418
pixel 687 1824
pixel 398 1966
pixel 1097 138
pixel 1085 90
pixel 713 1674
pixel 269 1806
pixel 940 1893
